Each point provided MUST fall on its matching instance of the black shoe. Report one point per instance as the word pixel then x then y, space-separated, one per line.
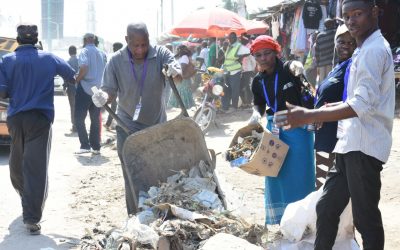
pixel 34 229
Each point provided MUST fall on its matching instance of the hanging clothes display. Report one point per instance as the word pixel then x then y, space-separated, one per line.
pixel 299 34
pixel 332 8
pixel 312 14
pixel 339 8
pixel 324 16
pixel 275 27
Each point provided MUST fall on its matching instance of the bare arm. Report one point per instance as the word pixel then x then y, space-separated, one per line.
pixel 82 72
pixel 178 78
pixel 296 116
pixel 260 109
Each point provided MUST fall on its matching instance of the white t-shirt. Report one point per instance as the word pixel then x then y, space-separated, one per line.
pixel 184 59
pixel 248 62
pixel 204 56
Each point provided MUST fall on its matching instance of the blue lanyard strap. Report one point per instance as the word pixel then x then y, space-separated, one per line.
pixel 346 80
pixel 275 108
pixel 144 72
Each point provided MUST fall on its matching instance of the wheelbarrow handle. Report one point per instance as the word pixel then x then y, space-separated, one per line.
pixel 115 117
pixel 175 90
pixel 113 114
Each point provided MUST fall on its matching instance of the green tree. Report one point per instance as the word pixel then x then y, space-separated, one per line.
pixel 230 5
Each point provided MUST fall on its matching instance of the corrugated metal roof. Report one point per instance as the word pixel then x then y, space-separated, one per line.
pixel 277 8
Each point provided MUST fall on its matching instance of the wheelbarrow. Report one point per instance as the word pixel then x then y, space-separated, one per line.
pixel 155 153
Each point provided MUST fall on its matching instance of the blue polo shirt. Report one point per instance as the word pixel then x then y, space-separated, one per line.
pixel 27 75
pixel 329 91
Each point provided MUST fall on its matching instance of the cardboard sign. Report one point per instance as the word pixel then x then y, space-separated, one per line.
pixel 268 157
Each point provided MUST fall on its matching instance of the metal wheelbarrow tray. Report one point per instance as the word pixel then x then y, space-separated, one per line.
pixel 153 154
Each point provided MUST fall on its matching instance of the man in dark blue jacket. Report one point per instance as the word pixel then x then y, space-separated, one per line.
pixel 27 79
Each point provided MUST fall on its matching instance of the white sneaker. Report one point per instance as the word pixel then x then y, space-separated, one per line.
pixel 96 152
pixel 82 151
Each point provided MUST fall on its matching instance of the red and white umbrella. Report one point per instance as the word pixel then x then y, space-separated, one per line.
pixel 254 27
pixel 214 22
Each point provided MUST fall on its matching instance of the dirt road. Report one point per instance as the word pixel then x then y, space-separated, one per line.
pixel 86 192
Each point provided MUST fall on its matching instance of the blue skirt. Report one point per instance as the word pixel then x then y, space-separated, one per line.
pixel 296 179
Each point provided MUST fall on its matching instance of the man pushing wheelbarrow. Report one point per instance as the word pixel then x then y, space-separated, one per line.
pixel 149 148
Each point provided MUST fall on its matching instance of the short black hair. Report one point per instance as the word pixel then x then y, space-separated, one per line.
pixel 232 34
pixel 72 50
pixel 27 34
pixel 117 46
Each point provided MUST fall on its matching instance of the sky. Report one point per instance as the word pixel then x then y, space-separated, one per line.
pixel 112 16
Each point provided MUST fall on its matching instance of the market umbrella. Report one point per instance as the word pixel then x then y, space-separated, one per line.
pixel 214 22
pixel 256 27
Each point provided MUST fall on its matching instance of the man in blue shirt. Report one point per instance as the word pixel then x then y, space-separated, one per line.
pixel 91 66
pixel 70 87
pixel 27 79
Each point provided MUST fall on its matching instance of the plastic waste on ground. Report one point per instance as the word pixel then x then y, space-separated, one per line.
pixel 298 226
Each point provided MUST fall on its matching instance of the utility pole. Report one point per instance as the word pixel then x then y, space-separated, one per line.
pixel 162 16
pixel 49 39
pixel 172 13
pixel 157 26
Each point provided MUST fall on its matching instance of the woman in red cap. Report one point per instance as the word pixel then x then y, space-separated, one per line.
pixel 272 87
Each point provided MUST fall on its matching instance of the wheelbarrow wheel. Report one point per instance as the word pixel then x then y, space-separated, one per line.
pixel 205 118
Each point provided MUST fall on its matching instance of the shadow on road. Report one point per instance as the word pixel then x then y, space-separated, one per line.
pixel 92 160
pixel 19 238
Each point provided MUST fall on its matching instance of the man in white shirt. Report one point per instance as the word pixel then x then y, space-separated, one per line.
pixel 203 57
pixel 248 72
pixel 364 132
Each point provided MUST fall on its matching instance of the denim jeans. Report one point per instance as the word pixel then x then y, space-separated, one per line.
pixel 83 104
pixel 71 91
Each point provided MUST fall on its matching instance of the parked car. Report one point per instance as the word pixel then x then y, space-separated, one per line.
pixel 7 45
pixel 5 138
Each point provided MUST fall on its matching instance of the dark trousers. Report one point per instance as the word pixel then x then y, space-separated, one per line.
pixel 355 175
pixel 323 163
pixel 231 91
pixel 29 159
pixel 245 92
pixel 83 104
pixel 71 91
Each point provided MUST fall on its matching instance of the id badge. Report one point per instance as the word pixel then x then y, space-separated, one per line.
pixel 137 110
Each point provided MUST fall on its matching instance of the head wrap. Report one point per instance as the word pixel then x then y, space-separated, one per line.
pixel 265 42
pixel 340 31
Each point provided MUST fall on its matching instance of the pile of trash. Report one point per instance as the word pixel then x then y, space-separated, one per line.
pixel 182 213
pixel 242 151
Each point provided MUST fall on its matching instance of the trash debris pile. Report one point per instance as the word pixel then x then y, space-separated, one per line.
pixel 242 151
pixel 182 213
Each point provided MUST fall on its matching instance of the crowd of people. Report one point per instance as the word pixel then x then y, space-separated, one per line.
pixel 352 110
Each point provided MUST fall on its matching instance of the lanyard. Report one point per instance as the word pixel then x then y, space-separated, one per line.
pixel 346 76
pixel 275 90
pixel 144 72
pixel 346 80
